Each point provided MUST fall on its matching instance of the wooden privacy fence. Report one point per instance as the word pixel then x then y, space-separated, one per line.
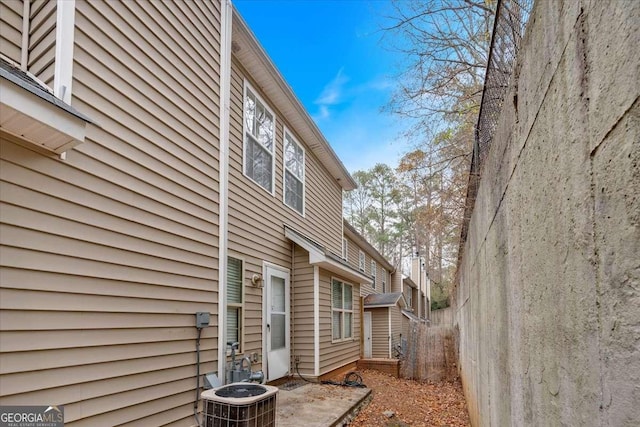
pixel 442 317
pixel 430 353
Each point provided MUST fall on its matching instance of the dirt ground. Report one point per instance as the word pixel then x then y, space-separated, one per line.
pixel 412 403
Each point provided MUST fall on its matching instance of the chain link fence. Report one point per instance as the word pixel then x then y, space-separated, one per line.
pixel 508 30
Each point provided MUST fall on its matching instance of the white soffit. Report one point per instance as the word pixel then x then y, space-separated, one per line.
pixel 33 119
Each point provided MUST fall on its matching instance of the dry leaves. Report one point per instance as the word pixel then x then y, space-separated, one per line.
pixel 414 404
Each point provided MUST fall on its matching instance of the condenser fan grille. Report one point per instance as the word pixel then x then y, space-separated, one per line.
pixel 240 405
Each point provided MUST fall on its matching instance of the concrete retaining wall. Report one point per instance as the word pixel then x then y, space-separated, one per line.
pixel 548 302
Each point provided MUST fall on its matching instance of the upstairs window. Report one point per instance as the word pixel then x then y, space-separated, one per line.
pixel 409 296
pixel 341 310
pixel 234 300
pixel 384 280
pixel 374 271
pixel 259 141
pixel 293 174
pixel 361 261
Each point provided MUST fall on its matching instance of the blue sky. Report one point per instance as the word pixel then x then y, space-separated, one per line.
pixel 329 53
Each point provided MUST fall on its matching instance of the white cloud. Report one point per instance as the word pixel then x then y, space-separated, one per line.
pixel 332 94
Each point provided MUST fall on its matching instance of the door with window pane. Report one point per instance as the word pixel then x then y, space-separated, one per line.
pixel 277 322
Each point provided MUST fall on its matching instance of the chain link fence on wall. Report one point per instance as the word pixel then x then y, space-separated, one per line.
pixel 508 30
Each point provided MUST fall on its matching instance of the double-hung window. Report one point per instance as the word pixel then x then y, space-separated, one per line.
pixel 361 261
pixel 259 140
pixel 234 300
pixel 293 173
pixel 341 310
pixel 374 271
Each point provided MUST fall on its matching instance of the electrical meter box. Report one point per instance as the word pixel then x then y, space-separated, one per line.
pixel 202 319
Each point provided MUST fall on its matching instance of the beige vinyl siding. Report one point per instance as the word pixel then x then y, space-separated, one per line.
pixel 380 332
pixel 352 256
pixel 42 40
pixel 11 29
pixel 256 214
pixel 106 256
pixel 257 219
pixel 338 354
pixel 302 312
pixel 396 326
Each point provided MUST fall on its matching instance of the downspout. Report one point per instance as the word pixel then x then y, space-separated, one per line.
pixel 316 321
pixel 225 98
pixel 292 308
pixel 63 65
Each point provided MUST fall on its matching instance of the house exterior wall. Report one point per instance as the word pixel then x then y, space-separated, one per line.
pixel 11 13
pixel 302 313
pixel 396 326
pixel 106 256
pixel 334 355
pixel 353 258
pixel 42 40
pixel 250 203
pixel 380 332
pixel 41 36
pixel 396 281
pixel 257 220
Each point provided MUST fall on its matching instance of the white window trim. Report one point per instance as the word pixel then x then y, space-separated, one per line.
pixel 241 305
pixel 342 310
pixel 284 171
pixel 345 249
pixel 362 261
pixel 248 85
pixel 374 273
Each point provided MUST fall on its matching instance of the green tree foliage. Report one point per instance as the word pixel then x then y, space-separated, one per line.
pixel 372 208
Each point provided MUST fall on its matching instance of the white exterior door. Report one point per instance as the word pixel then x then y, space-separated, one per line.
pixel 276 298
pixel 367 335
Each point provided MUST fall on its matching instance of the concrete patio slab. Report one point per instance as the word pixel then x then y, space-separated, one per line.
pixel 319 405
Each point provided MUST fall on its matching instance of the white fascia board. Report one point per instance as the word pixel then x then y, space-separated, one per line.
pixel 318 257
pixel 40 110
pixel 339 269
